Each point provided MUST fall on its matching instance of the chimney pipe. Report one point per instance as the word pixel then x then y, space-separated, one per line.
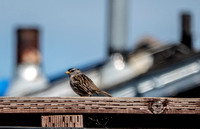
pixel 28 77
pixel 117 26
pixel 186 34
pixel 28 46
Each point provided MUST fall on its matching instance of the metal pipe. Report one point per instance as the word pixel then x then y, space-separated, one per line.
pixel 117 26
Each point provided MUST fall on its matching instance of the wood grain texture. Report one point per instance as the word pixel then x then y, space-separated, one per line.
pixel 79 105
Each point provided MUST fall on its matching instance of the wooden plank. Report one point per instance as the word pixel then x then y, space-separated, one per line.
pixel 137 105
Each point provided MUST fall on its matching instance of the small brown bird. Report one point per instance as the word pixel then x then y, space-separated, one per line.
pixel 83 85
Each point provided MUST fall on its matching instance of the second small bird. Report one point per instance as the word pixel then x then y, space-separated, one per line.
pixel 83 85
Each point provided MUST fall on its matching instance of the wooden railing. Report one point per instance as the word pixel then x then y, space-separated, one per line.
pixel 87 111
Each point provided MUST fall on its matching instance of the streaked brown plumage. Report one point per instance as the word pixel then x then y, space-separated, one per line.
pixel 83 85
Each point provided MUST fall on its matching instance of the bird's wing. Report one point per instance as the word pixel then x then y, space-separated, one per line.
pixel 80 90
pixel 89 84
pixel 93 88
pixel 81 81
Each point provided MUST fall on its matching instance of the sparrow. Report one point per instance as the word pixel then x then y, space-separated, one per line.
pixel 83 85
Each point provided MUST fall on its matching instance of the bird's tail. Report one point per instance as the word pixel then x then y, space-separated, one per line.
pixel 105 93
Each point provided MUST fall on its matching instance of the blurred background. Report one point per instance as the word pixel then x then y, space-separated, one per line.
pixel 129 48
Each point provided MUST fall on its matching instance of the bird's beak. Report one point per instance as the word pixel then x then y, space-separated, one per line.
pixel 67 72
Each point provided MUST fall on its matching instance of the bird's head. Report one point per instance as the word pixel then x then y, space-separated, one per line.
pixel 73 71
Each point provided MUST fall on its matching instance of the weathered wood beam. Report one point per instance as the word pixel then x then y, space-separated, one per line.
pixel 106 105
